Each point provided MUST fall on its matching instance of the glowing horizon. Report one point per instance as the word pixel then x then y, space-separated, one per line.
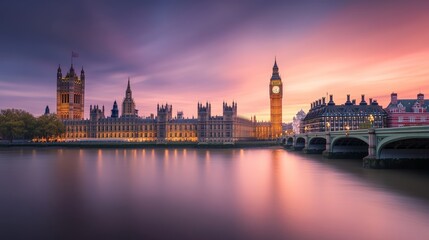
pixel 190 53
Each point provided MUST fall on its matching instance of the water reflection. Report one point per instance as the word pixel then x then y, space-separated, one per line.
pixel 205 194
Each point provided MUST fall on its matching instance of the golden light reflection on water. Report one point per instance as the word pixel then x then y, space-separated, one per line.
pixel 261 193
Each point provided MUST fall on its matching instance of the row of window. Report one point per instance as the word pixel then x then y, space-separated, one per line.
pixel 125 128
pixel 180 126
pixel 216 127
pixel 125 135
pixel 182 135
pixel 411 119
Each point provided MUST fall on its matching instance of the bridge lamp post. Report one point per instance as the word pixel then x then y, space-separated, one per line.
pixel 328 126
pixel 371 120
pixel 305 129
pixel 347 130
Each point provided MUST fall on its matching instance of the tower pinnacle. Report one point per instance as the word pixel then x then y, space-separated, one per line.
pixel 276 75
pixel 128 86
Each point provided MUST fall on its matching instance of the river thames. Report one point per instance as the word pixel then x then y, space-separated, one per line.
pixel 261 193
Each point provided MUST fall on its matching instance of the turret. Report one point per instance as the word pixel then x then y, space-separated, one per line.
pixel 179 114
pixel 82 75
pixel 47 110
pixel 115 110
pixel 59 73
pixel 204 112
pixel 229 112
pixel 72 73
pixel 164 113
pixel 96 113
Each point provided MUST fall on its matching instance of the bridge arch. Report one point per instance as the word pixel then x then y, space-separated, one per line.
pixel 404 147
pixel 316 144
pixel 300 143
pixel 316 139
pixel 349 146
pixel 363 139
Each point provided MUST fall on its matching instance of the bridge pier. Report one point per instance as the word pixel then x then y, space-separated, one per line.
pixel 328 150
pixel 371 160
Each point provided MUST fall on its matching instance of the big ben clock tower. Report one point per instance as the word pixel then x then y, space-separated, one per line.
pixel 276 97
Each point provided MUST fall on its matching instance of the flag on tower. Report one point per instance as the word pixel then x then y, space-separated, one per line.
pixel 75 54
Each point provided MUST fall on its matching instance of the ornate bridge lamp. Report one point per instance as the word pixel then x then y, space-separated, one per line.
pixel 371 120
pixel 347 130
pixel 328 126
pixel 305 129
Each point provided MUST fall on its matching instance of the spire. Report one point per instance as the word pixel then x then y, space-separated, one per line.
pixel 59 74
pixel 47 112
pixel 128 93
pixel 275 75
pixel 72 73
pixel 82 71
pixel 128 87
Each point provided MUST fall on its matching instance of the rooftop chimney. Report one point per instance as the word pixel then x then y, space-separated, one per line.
pixel 323 101
pixel 331 100
pixel 348 100
pixel 421 99
pixel 394 98
pixel 363 102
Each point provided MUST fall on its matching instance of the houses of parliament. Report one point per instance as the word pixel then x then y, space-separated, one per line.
pixel 162 128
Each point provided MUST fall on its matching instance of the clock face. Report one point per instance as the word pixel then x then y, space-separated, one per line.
pixel 276 89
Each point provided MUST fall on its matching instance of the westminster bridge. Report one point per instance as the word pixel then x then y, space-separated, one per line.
pixel 378 147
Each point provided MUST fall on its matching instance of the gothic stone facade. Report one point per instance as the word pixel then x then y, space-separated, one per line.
pixel 70 94
pixel 228 128
pixel 162 128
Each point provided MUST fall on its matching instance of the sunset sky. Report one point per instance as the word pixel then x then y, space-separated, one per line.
pixel 182 52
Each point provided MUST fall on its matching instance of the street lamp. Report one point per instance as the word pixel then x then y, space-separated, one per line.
pixel 305 129
pixel 347 130
pixel 371 120
pixel 328 126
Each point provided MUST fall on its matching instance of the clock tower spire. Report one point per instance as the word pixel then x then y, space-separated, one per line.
pixel 276 97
